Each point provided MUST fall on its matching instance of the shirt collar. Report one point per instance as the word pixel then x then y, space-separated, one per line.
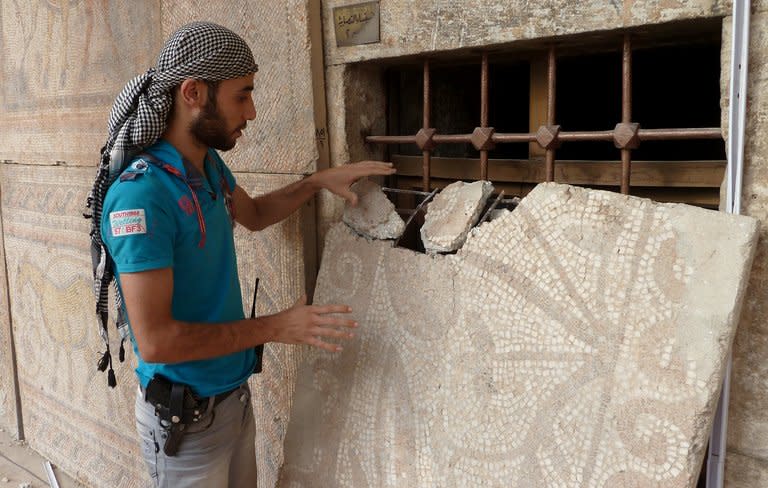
pixel 167 153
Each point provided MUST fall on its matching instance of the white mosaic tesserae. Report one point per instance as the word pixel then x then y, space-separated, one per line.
pixel 577 341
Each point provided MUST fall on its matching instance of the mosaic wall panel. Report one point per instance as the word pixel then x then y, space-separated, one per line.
pixel 577 341
pixel 447 24
pixel 8 411
pixel 282 138
pixel 70 415
pixel 277 256
pixel 61 64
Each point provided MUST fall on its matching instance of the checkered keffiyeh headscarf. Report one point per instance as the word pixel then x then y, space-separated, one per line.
pixel 200 50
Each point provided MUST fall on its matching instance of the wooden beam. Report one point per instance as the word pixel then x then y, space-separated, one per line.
pixel 674 174
pixel 702 197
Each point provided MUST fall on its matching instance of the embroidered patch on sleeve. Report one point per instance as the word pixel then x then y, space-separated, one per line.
pixel 127 222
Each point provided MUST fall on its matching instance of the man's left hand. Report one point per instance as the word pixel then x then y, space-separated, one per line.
pixel 338 180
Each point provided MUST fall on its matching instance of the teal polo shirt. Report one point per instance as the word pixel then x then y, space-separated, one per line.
pixel 150 221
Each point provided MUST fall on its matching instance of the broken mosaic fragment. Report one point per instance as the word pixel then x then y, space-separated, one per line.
pixel 375 215
pixel 451 215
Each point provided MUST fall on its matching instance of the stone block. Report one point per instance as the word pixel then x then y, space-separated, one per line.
pixel 579 340
pixel 61 66
pixel 443 25
pixel 745 472
pixel 452 214
pixel 282 138
pixel 374 216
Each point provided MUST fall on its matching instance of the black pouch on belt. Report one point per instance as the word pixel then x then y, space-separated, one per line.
pixel 176 407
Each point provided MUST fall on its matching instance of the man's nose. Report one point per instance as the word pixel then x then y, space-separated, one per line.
pixel 250 114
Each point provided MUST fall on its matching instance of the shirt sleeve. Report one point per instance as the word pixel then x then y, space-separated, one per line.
pixel 136 227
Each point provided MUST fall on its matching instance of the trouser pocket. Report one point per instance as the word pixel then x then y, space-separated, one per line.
pixel 147 428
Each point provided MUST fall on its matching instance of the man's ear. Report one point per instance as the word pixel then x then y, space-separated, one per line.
pixel 192 93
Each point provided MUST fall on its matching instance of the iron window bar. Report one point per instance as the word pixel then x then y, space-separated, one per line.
pixel 626 135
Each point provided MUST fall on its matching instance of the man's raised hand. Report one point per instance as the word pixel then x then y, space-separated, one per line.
pixel 311 324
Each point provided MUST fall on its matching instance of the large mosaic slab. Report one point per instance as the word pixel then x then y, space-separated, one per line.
pixel 577 341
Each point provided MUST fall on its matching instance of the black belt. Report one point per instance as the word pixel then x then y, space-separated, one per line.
pixel 193 407
pixel 177 407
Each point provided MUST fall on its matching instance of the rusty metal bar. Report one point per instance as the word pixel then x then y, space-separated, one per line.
pixel 420 208
pixel 597 135
pixel 678 134
pixel 500 137
pixel 391 139
pixel 626 110
pixel 403 191
pixel 452 138
pixel 549 162
pixel 427 107
pixel 491 208
pixel 484 113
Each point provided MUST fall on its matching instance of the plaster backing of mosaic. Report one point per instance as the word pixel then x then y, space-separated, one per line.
pixel 374 215
pixel 452 214
pixel 577 341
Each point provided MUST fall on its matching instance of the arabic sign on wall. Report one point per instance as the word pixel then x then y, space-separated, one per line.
pixel 357 24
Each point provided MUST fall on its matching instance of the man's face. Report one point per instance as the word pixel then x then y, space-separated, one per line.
pixel 224 117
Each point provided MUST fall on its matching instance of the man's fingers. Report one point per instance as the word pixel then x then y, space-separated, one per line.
pixel 329 321
pixel 316 342
pixel 334 308
pixel 376 168
pixel 349 196
pixel 334 333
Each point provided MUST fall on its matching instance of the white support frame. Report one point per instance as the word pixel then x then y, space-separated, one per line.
pixel 734 172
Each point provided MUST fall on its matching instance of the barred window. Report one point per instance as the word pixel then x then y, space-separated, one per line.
pixel 636 112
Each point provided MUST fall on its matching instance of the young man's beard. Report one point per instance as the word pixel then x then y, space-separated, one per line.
pixel 211 130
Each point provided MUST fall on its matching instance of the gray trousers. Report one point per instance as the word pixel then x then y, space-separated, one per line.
pixel 218 451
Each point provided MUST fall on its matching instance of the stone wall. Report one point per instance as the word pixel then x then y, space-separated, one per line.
pixel 61 65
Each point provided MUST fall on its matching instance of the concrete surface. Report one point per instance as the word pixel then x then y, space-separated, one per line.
pixel 20 465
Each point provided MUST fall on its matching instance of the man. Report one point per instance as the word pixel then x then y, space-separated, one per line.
pixel 166 223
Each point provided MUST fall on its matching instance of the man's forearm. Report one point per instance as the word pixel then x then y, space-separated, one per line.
pixel 275 206
pixel 179 341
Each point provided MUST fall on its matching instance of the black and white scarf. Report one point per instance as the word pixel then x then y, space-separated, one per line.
pixel 200 50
